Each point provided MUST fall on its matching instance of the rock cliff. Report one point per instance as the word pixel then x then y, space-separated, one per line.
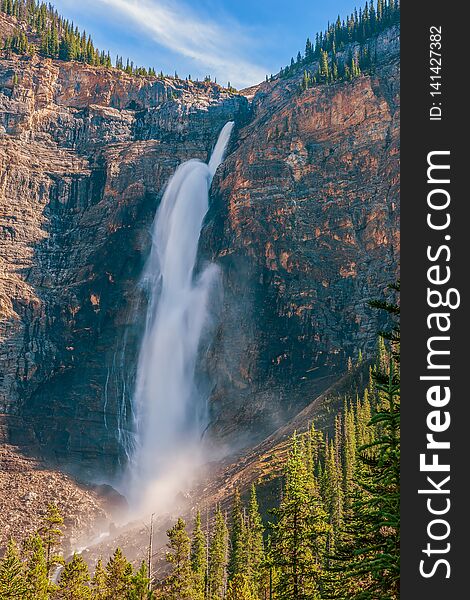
pixel 303 221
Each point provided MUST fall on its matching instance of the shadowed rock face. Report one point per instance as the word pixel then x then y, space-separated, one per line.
pixel 84 157
pixel 303 222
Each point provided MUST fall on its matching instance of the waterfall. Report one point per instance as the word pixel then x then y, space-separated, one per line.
pixel 169 414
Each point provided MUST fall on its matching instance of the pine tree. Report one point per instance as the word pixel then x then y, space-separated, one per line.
pixel 373 555
pixel 358 27
pixel 118 574
pixel 140 585
pixel 199 559
pixel 12 582
pixel 305 80
pixel 299 534
pixel 308 51
pixel 238 562
pixel 179 584
pixel 36 571
pixel 350 450
pixel 324 66
pixel 73 582
pixel 256 556
pixel 240 588
pixel 51 535
pixel 218 549
pixel 98 582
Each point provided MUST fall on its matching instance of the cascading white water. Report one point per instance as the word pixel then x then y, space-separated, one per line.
pixel 169 414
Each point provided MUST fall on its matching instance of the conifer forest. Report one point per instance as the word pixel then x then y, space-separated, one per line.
pixel 198 320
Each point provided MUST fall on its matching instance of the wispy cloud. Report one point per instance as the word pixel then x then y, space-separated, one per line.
pixel 219 47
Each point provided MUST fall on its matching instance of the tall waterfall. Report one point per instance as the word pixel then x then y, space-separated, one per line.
pixel 169 413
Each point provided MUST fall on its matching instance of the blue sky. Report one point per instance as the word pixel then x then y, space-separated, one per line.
pixel 233 40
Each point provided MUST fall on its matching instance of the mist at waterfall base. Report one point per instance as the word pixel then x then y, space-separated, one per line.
pixel 169 412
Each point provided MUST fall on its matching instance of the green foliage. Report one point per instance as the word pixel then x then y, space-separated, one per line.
pixel 35 569
pixel 218 554
pixel 98 582
pixel 59 38
pixel 51 535
pixel 335 532
pixel 240 588
pixel 370 556
pixel 199 559
pixel 12 582
pixel 299 533
pixel 179 584
pixel 73 582
pixel 326 61
pixel 238 562
pixel 118 576
pixel 256 555
pixel 140 585
pixel 17 43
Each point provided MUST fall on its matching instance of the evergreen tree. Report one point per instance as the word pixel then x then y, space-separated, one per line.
pixel 324 66
pixel 238 562
pixel 12 582
pixel 299 534
pixel 333 495
pixel 305 80
pixel 218 549
pixel 118 574
pixel 179 584
pixel 36 571
pixel 73 582
pixel 350 450
pixel 98 582
pixel 240 588
pixel 51 535
pixel 256 556
pixel 140 585
pixel 373 554
pixel 59 39
pixel 199 559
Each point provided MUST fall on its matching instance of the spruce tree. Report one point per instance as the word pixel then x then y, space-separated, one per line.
pixel 324 66
pixel 218 549
pixel 240 587
pixel 350 450
pixel 199 559
pixel 36 572
pixel 373 554
pixel 179 584
pixel 256 556
pixel 51 535
pixel 98 582
pixel 12 582
pixel 332 493
pixel 140 584
pixel 299 534
pixel 74 579
pixel 238 562
pixel 118 574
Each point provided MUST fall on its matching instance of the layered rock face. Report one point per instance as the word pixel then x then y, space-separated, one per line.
pixel 84 157
pixel 303 222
